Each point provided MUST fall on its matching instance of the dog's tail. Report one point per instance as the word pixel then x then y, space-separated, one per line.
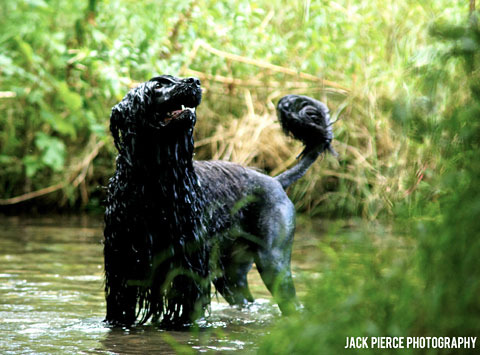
pixel 307 120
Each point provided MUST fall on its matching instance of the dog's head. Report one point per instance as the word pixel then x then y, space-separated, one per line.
pixel 164 104
pixel 174 99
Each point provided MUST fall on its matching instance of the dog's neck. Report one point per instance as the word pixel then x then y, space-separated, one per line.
pixel 152 155
pixel 163 165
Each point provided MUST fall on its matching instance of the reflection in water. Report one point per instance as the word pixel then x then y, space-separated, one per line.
pixel 226 329
pixel 51 298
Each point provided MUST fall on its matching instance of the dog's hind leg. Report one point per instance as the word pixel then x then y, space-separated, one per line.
pixel 233 284
pixel 276 229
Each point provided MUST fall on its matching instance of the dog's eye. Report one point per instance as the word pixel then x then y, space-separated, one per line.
pixel 160 82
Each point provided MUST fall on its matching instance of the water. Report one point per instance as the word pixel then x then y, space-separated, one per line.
pixel 52 301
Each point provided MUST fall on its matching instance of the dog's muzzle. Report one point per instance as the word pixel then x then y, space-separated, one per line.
pixel 175 99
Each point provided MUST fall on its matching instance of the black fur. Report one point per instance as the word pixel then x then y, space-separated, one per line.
pixel 174 225
pixel 306 119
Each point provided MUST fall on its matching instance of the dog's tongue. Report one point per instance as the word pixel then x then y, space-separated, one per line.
pixel 172 115
pixel 176 113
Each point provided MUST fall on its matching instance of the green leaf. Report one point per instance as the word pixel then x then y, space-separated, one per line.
pixel 32 165
pixel 26 49
pixel 53 151
pixel 100 129
pixel 73 100
pixel 58 123
pixel 6 159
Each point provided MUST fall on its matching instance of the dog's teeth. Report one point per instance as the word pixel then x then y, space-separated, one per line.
pixel 183 107
pixel 191 109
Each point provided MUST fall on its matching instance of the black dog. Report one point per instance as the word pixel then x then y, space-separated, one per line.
pixel 174 225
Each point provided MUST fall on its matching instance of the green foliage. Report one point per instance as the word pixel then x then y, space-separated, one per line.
pixel 448 243
pixel 52 154
pixel 426 283
pixel 69 62
pixel 366 287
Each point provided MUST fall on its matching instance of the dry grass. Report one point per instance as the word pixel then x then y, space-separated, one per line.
pixel 374 169
pixel 254 140
pixel 369 176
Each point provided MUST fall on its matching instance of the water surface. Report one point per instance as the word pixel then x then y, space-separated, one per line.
pixel 52 301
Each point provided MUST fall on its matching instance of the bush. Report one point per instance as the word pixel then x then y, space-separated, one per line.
pixel 423 282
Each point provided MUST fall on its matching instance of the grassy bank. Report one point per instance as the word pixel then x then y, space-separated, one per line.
pixel 64 64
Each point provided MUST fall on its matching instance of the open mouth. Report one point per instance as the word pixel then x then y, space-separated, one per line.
pixel 172 115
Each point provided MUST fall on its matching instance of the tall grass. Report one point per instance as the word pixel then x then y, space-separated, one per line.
pixel 66 63
pixel 424 281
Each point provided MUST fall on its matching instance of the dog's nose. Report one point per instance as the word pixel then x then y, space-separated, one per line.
pixel 193 80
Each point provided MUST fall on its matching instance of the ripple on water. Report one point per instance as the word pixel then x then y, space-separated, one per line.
pixel 52 301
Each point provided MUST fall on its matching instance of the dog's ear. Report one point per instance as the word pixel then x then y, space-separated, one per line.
pixel 130 112
pixel 117 122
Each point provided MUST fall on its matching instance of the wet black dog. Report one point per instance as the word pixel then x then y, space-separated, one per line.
pixel 174 225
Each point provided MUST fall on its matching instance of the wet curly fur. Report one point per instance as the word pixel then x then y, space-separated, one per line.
pixel 174 225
